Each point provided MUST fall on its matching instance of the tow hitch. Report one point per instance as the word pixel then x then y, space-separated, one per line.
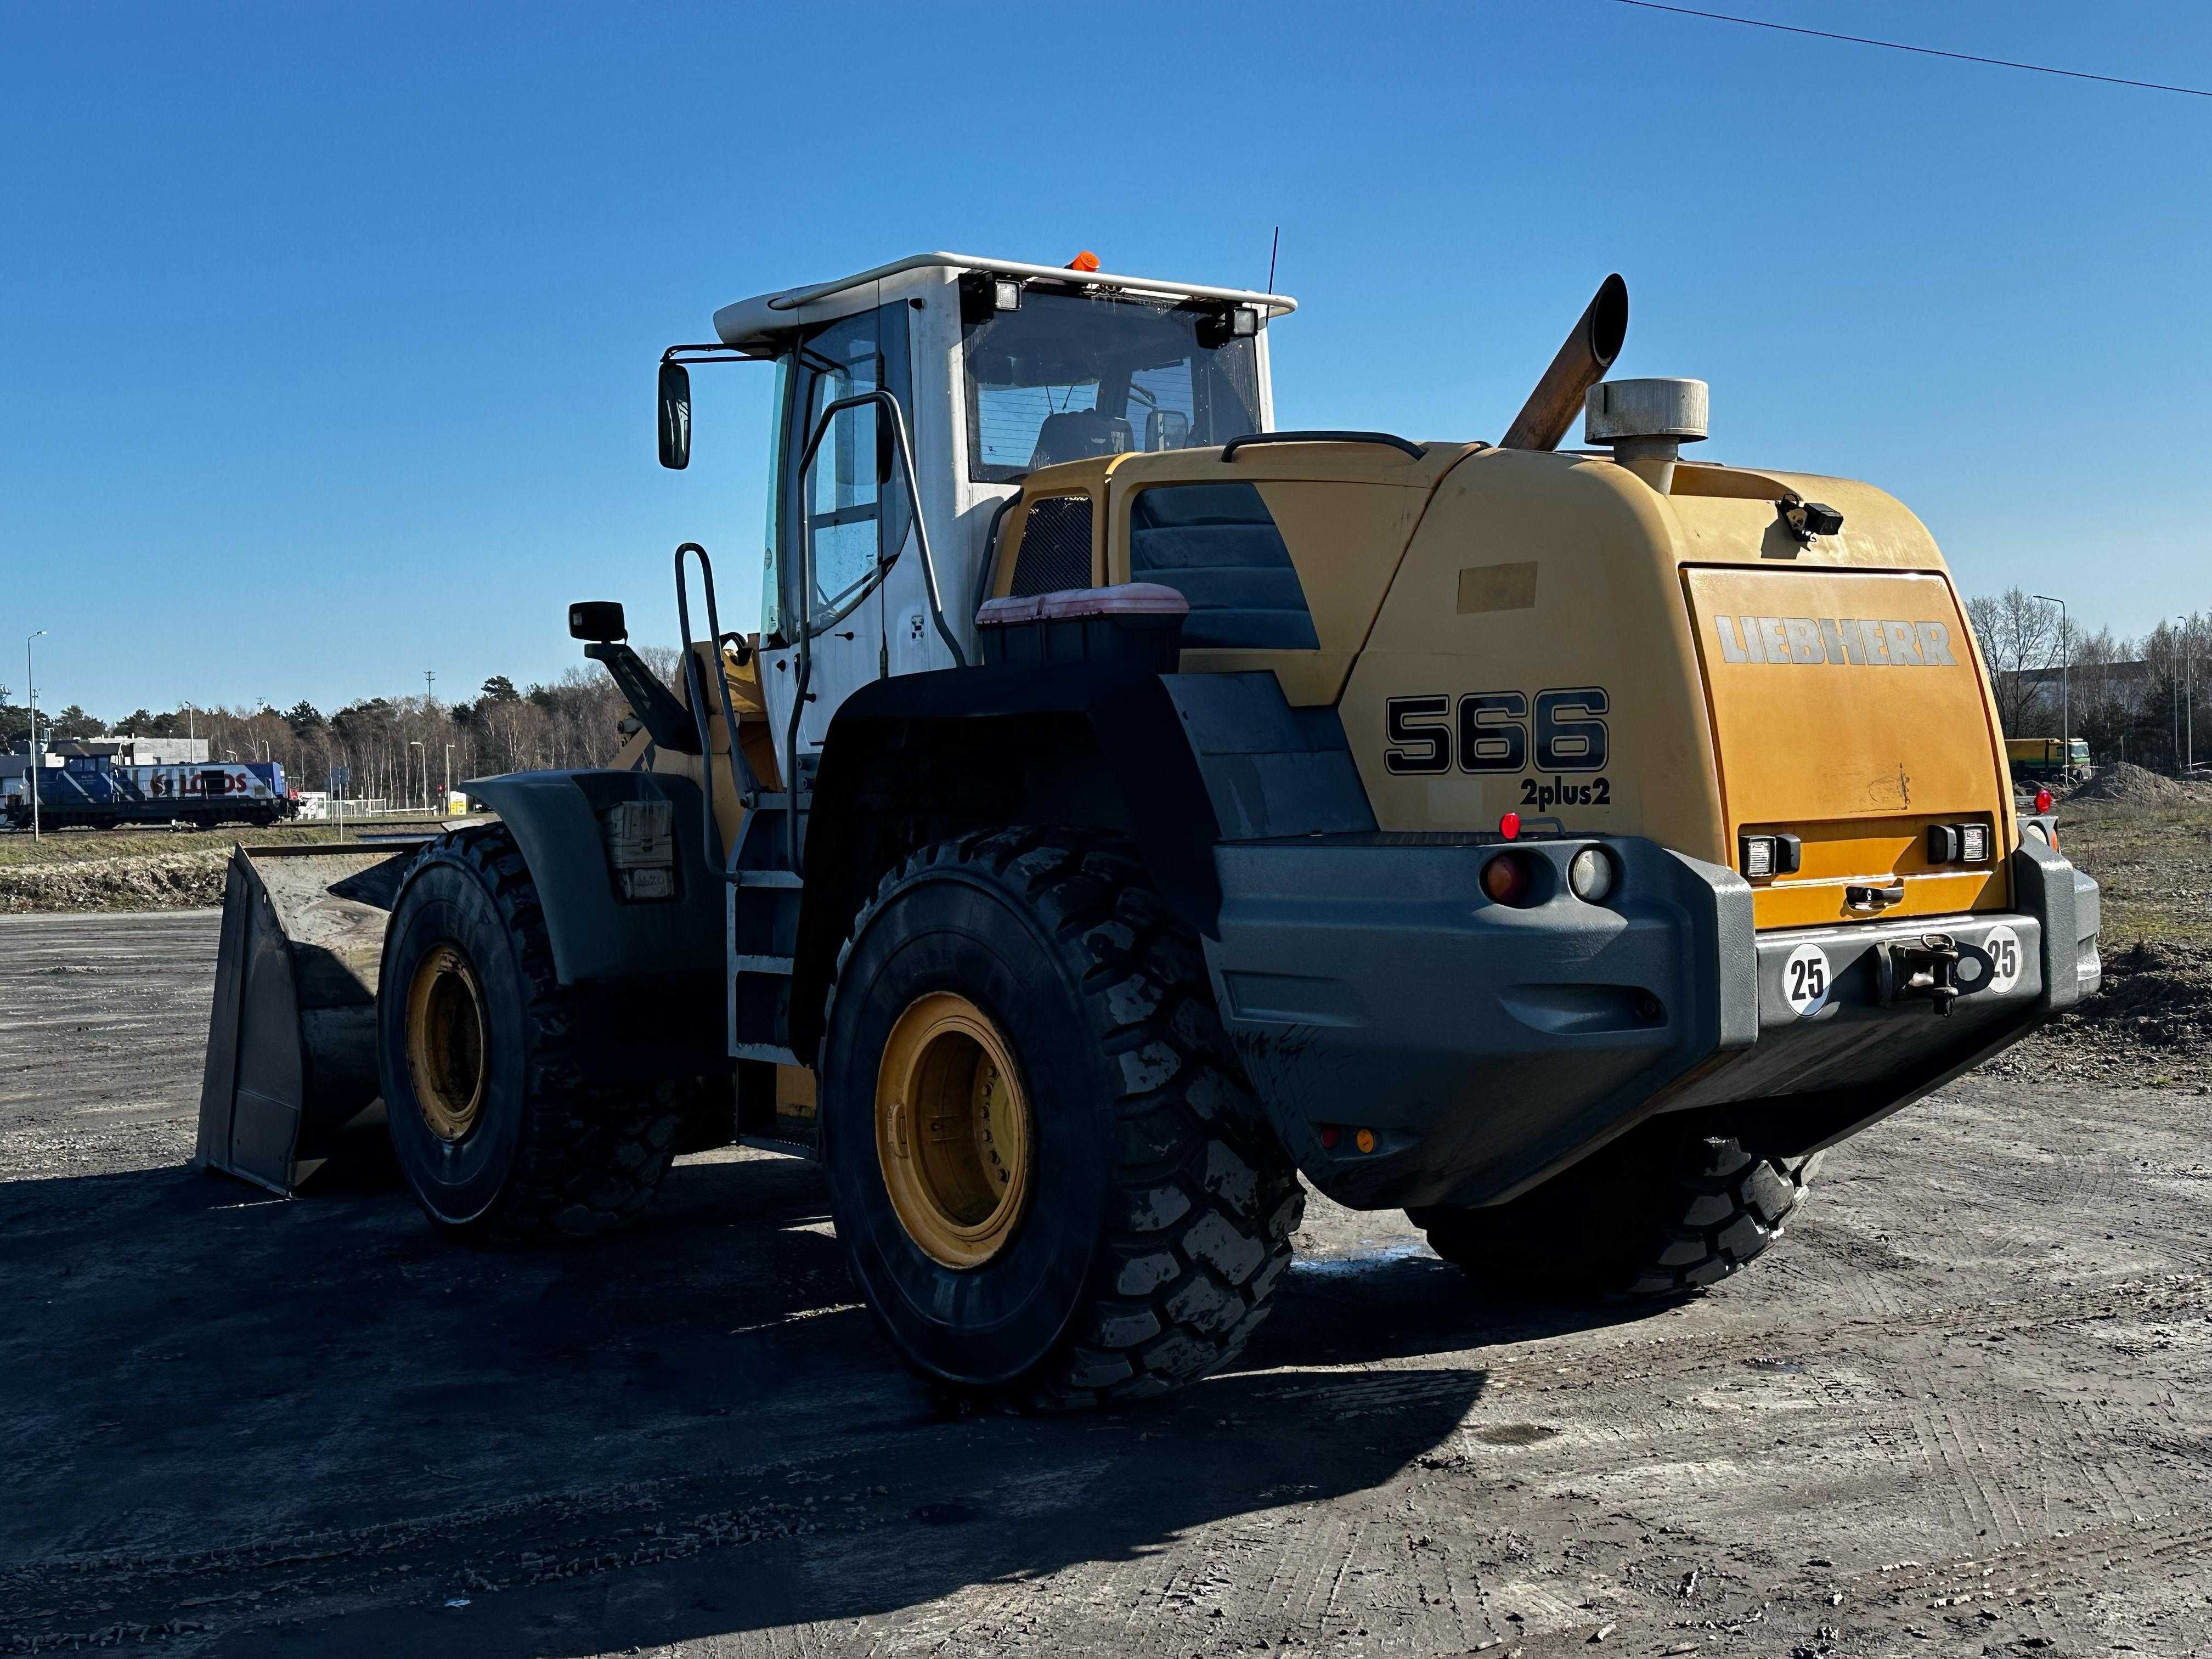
pixel 1927 967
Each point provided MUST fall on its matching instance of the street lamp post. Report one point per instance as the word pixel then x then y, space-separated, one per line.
pixel 449 778
pixel 2065 691
pixel 31 701
pixel 417 742
pixel 2188 699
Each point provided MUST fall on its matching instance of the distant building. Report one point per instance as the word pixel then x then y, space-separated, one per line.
pixel 124 751
pixel 128 751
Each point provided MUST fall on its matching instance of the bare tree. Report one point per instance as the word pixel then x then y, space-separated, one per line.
pixel 2019 637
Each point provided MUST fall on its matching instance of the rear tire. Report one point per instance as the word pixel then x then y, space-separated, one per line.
pixel 491 1121
pixel 1662 1212
pixel 1147 1208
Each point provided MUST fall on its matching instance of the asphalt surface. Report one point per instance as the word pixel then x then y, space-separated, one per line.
pixel 1964 1407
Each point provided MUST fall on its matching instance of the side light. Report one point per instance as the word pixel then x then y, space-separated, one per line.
pixel 1590 876
pixel 1363 1139
pixel 2042 799
pixel 1509 826
pixel 1086 260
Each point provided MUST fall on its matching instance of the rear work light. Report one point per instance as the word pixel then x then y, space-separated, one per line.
pixel 1958 843
pixel 1762 856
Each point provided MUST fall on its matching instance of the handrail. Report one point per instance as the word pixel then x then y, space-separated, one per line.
pixel 740 768
pixel 1230 449
pixel 808 629
pixel 991 550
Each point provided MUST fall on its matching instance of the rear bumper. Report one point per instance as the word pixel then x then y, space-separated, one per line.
pixel 1366 983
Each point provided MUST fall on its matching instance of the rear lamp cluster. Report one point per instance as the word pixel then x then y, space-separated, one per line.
pixel 1523 880
pixel 1333 1134
pixel 1762 856
pixel 1958 843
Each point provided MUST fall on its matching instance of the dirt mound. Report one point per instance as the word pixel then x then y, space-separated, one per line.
pixel 171 881
pixel 2159 995
pixel 2124 782
pixel 2147 1026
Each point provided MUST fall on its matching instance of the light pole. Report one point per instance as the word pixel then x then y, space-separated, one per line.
pixel 2188 697
pixel 417 742
pixel 2065 695
pixel 449 779
pixel 30 700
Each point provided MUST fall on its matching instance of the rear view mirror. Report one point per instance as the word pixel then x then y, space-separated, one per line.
pixel 1167 428
pixel 675 416
pixel 600 621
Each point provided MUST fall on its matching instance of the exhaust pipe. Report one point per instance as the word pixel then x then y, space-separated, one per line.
pixel 1591 345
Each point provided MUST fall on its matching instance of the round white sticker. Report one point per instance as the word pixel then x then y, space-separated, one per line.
pixel 1805 980
pixel 2002 946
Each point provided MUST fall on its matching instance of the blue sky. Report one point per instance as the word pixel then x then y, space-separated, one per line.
pixel 327 332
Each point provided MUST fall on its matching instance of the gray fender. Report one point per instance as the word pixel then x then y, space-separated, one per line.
pixel 555 819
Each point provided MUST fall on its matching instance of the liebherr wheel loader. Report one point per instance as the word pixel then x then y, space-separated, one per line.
pixel 1128 809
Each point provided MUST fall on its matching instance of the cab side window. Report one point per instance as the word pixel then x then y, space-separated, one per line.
pixel 1217 546
pixel 850 499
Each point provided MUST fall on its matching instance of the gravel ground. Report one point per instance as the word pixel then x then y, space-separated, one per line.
pixel 1966 1408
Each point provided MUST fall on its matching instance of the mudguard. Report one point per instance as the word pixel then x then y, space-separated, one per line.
pixel 596 937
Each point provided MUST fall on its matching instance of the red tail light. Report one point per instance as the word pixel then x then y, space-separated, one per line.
pixel 1510 879
pixel 2043 800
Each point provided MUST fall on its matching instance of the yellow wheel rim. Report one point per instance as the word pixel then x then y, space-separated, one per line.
pixel 445 1042
pixel 953 1130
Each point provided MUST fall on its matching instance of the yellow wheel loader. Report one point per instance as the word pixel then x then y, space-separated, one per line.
pixel 1127 808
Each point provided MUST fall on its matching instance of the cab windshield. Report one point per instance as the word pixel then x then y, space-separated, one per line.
pixel 1072 375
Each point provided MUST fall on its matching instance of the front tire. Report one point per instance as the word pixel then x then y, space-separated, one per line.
pixel 1660 1214
pixel 491 1121
pixel 1049 1181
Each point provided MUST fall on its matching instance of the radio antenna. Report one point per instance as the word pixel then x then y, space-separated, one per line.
pixel 1273 247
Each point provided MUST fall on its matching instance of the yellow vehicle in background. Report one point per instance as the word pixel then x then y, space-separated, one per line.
pixel 2045 759
pixel 1128 809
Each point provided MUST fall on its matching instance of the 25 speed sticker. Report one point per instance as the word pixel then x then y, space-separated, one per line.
pixel 1805 980
pixel 2002 946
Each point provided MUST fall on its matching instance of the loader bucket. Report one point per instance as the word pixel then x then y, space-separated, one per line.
pixel 291 1057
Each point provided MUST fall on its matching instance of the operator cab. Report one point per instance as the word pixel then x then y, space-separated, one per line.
pixel 996 368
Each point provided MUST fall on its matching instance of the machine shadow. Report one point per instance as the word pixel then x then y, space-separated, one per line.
pixel 200 1375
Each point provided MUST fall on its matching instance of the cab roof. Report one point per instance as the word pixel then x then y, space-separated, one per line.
pixel 754 323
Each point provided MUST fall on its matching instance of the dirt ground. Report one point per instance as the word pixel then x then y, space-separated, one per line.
pixel 1964 1407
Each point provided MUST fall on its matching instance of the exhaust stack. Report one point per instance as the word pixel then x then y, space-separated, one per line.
pixel 1591 345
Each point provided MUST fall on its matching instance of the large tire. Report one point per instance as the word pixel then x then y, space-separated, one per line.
pixel 1159 1204
pixel 1661 1212
pixel 491 1121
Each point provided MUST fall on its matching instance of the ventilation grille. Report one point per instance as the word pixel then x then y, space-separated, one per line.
pixel 1217 546
pixel 1055 548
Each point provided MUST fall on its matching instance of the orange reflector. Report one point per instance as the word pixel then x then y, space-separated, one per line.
pixel 1086 260
pixel 1509 879
pixel 1365 1139
pixel 1509 826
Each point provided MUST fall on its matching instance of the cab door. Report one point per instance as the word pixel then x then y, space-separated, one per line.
pixel 851 500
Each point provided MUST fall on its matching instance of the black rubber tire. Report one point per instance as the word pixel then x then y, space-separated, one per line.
pixel 1661 1212
pixel 550 1155
pixel 1160 1218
